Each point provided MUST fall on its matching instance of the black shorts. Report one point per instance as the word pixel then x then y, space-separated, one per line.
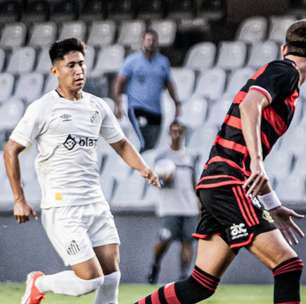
pixel 227 211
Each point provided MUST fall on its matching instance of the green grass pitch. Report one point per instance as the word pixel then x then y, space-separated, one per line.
pixel 10 293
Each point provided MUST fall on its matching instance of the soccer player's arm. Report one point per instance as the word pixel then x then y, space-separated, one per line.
pixel 112 133
pixel 22 137
pixel 119 86
pixel 250 111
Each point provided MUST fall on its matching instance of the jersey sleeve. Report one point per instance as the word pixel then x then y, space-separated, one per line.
pixel 29 127
pixel 110 129
pixel 127 68
pixel 278 79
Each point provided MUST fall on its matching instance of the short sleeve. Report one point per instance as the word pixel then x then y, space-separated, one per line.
pixel 110 128
pixel 29 127
pixel 278 79
pixel 127 68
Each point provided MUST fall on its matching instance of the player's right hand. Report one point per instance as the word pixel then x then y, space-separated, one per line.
pixel 150 176
pixel 283 220
pixel 257 180
pixel 23 211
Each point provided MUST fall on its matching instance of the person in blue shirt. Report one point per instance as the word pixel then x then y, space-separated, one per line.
pixel 142 78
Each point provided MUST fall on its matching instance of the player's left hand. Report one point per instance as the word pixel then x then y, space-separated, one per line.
pixel 283 219
pixel 150 176
pixel 258 179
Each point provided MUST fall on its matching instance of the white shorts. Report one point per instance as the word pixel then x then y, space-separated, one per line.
pixel 75 230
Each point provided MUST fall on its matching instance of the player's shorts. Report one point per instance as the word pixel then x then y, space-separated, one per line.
pixel 173 227
pixel 75 230
pixel 227 211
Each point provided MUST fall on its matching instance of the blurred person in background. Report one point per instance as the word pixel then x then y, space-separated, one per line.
pixel 66 124
pixel 143 77
pixel 177 206
pixel 239 207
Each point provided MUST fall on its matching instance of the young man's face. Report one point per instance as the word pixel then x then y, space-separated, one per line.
pixel 176 133
pixel 71 71
pixel 150 43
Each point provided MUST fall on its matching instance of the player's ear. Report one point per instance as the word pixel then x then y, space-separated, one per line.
pixel 54 70
pixel 284 50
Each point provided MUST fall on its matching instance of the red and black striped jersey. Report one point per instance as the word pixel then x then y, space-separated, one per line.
pixel 229 160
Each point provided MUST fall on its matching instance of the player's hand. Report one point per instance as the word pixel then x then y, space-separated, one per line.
pixel 257 180
pixel 23 211
pixel 283 219
pixel 118 112
pixel 150 176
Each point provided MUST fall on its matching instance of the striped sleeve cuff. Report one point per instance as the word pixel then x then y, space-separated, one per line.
pixel 263 92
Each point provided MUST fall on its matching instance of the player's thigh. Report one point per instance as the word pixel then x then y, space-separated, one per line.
pixel 69 237
pixel 109 257
pixel 271 248
pixel 105 240
pixel 214 255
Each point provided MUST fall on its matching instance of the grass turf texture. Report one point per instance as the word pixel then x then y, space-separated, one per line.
pixel 10 293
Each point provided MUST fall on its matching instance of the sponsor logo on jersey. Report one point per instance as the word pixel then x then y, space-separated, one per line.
pixel 66 117
pixel 73 248
pixel 82 141
pixel 238 231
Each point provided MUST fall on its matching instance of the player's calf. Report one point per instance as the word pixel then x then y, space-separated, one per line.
pixel 199 286
pixel 287 281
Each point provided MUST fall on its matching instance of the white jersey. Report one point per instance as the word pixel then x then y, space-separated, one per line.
pixel 66 133
pixel 179 198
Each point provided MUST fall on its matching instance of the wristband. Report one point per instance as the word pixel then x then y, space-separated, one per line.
pixel 269 200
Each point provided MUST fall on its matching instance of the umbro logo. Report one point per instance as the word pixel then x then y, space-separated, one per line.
pixel 73 248
pixel 66 117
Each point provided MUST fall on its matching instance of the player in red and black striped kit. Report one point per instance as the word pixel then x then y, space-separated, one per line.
pixel 239 207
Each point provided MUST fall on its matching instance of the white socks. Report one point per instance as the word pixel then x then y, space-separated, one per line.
pixel 108 292
pixel 68 283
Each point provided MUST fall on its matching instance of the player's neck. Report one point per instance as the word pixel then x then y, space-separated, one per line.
pixel 300 63
pixel 68 94
pixel 176 146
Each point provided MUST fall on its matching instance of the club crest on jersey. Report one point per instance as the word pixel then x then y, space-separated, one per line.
pixel 73 248
pixel 82 141
pixel 238 231
pixel 94 117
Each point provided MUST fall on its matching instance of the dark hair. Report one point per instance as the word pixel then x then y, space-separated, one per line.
pixel 177 123
pixel 60 48
pixel 150 32
pixel 296 38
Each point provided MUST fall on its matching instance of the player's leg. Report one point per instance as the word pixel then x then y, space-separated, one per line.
pixel 72 243
pixel 105 240
pixel 273 251
pixel 167 231
pixel 108 256
pixel 213 258
pixel 188 225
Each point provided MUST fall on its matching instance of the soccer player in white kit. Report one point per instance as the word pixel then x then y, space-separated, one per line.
pixel 66 124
